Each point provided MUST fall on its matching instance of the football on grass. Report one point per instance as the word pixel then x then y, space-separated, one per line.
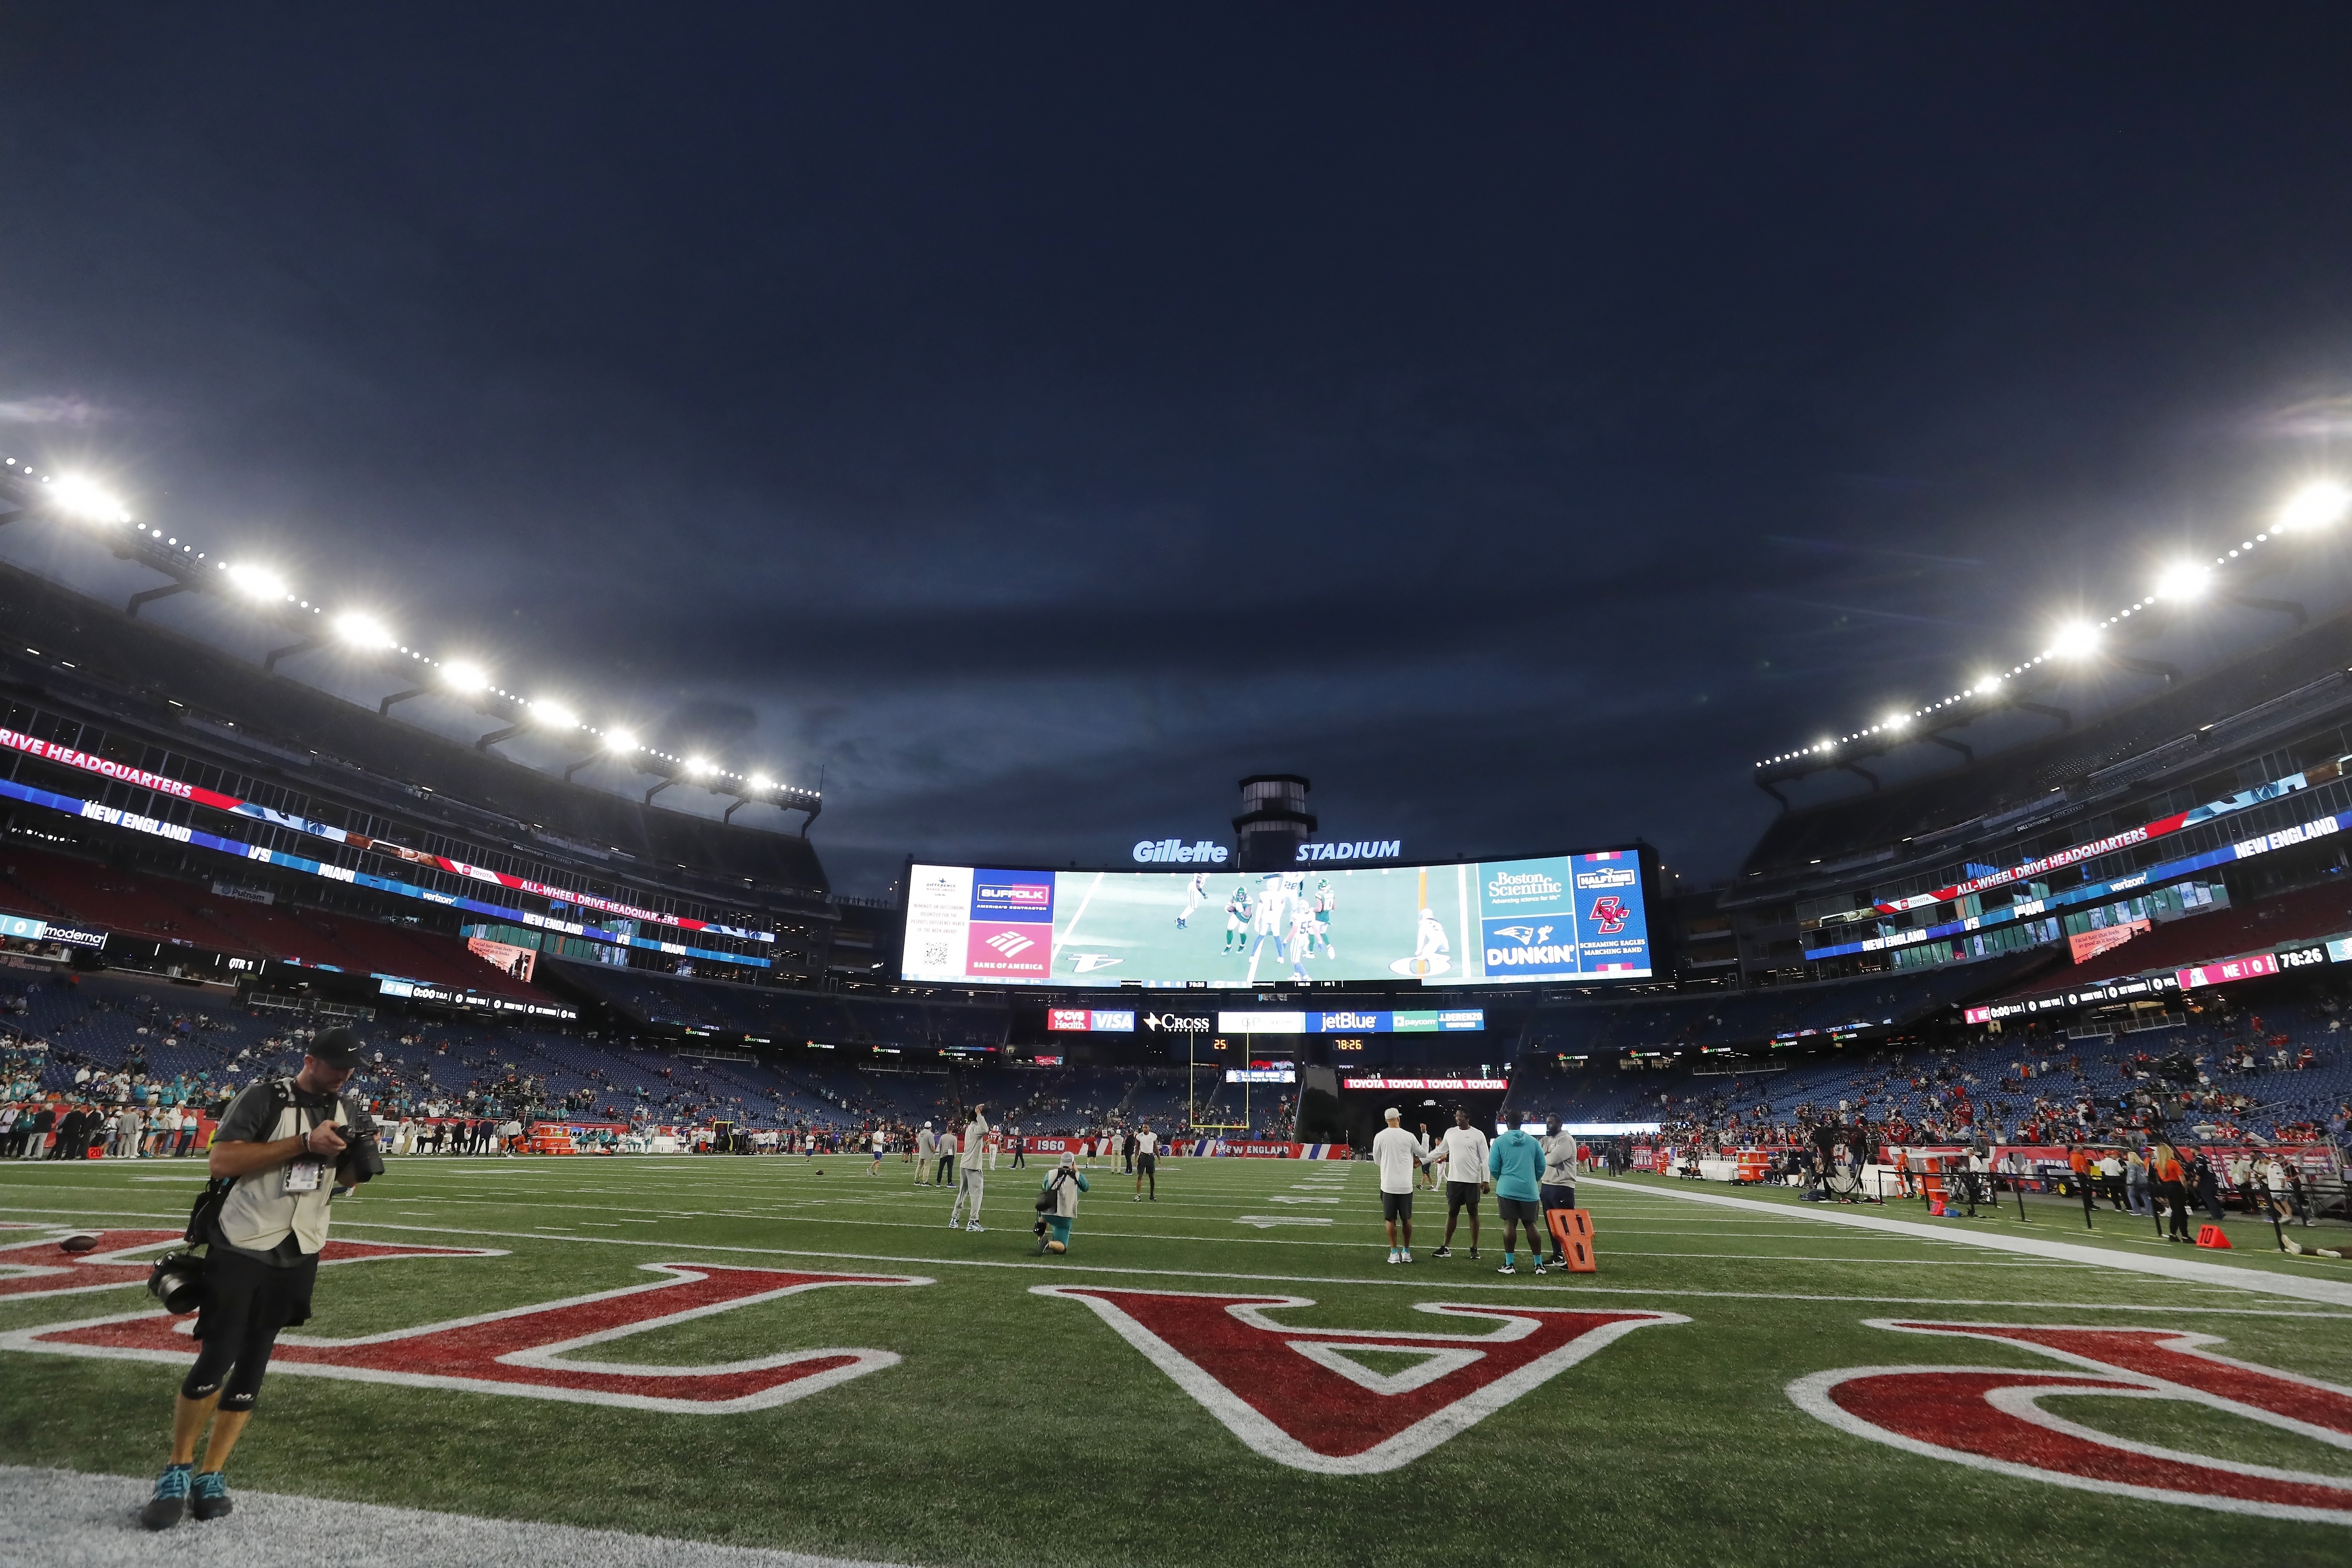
pixel 80 1241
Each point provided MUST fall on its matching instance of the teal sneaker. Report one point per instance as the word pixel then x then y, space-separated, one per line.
pixel 212 1500
pixel 171 1499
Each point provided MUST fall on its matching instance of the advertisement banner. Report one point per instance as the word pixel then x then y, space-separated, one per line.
pixel 2086 946
pixel 510 960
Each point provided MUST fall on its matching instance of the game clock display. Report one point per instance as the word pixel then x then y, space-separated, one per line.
pixel 1578 916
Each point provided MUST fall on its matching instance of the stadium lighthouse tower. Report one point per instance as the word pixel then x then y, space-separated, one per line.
pixel 1274 821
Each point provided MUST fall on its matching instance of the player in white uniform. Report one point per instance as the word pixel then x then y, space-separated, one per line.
pixel 1272 907
pixel 1195 894
pixel 1429 940
pixel 1302 937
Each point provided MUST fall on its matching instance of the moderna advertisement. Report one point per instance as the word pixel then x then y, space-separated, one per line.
pixel 1545 918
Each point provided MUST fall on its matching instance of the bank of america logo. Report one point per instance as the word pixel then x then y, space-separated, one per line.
pixel 1011 944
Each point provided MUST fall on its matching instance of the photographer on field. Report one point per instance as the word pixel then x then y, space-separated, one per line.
pixel 281 1150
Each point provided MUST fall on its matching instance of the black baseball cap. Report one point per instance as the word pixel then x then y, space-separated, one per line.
pixel 339 1046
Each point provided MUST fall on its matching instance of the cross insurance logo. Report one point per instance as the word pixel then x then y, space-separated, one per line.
pixel 1012 932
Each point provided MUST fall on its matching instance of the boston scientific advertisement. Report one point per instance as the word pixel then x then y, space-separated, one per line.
pixel 1550 918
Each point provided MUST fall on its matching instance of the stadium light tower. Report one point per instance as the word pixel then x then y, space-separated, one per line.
pixel 459 675
pixel 620 742
pixel 2076 639
pixel 553 715
pixel 2319 504
pixel 83 499
pixel 257 582
pixel 361 630
pixel 2182 580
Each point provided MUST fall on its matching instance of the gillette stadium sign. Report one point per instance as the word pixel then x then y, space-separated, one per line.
pixel 1176 852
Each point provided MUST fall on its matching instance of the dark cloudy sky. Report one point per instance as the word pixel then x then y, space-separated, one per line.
pixel 1036 417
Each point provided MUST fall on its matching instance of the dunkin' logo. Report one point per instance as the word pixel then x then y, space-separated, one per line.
pixel 1299 1397
pixel 536 1352
pixel 1995 1417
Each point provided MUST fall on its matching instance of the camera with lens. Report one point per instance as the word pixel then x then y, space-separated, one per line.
pixel 177 1281
pixel 361 1158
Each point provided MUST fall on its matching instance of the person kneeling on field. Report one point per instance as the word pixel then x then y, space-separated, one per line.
pixel 1057 1205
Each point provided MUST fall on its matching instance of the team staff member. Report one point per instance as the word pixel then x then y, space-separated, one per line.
pixel 1146 1162
pixel 2172 1184
pixel 975 1179
pixel 1517 1163
pixel 1559 1182
pixel 1466 1177
pixel 924 1144
pixel 1054 1223
pixel 280 1140
pixel 1399 1157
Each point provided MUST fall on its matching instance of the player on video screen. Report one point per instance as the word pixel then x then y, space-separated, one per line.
pixel 1272 916
pixel 1302 937
pixel 1195 894
pixel 1238 910
pixel 1326 902
pixel 1429 941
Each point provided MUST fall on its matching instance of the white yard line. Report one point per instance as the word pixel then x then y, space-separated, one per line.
pixel 63 1516
pixel 2335 1293
pixel 1084 904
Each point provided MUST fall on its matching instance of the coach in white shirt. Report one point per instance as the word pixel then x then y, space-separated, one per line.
pixel 1398 1153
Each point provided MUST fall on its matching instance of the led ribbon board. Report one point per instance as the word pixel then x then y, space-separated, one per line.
pixel 140 778
pixel 91 811
pixel 2245 850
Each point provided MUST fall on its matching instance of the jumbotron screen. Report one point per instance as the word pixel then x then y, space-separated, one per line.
pixel 1552 918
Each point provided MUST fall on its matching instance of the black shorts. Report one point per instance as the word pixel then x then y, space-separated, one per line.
pixel 1146 1163
pixel 1461 1196
pixel 1396 1205
pixel 246 1303
pixel 1524 1210
pixel 1555 1198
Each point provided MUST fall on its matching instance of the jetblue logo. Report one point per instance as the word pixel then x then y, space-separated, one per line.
pixel 1366 849
pixel 1175 851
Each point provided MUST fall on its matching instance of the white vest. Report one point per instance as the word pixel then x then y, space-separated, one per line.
pixel 258 1212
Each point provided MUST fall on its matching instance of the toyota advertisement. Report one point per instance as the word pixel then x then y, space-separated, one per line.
pixel 1554 918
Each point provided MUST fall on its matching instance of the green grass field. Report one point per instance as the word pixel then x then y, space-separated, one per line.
pixel 1017 1428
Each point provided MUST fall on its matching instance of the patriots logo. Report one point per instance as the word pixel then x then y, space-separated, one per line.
pixel 1610 914
pixel 1526 936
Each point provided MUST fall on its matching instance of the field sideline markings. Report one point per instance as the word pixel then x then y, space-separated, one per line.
pixel 2187 1270
pixel 1433 1279
pixel 1112 1232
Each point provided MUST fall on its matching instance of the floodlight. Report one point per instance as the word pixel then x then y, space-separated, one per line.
pixel 77 497
pixel 620 741
pixel 459 675
pixel 762 782
pixel 1895 721
pixel 554 714
pixel 257 581
pixel 2074 639
pixel 362 630
pixel 1987 684
pixel 2182 580
pixel 2317 505
pixel 697 764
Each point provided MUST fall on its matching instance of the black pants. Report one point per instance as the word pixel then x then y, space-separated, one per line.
pixel 2176 1198
pixel 246 1303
